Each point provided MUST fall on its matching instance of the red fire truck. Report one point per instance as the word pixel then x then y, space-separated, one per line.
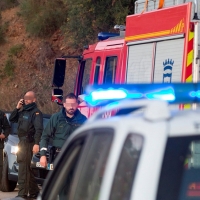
pixel 159 44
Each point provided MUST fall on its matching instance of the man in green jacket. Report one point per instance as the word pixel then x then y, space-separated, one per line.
pixel 60 126
pixel 4 132
pixel 30 127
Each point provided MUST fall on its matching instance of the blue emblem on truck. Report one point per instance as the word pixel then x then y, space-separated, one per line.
pixel 167 74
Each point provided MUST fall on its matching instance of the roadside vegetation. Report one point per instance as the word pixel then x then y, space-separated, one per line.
pixel 15 50
pixel 79 20
pixel 3 28
pixel 6 4
pixel 43 18
pixel 9 67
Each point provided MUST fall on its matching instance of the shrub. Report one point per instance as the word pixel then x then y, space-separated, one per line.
pixel 2 35
pixel 15 50
pixel 3 29
pixel 9 67
pixel 43 18
pixel 6 4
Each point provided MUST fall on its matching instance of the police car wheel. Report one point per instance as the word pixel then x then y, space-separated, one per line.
pixel 8 185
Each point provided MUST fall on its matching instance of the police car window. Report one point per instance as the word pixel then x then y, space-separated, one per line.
pixel 92 173
pixel 86 74
pixel 180 172
pixel 110 69
pixel 126 168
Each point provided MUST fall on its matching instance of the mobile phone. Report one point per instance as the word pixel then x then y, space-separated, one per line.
pixel 22 102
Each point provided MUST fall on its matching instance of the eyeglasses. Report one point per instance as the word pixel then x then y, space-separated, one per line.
pixel 71 104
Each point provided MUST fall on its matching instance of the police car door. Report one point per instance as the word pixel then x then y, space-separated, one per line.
pixel 79 167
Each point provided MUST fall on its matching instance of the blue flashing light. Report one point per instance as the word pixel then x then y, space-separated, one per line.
pixel 104 35
pixel 180 93
pixel 109 94
pixel 195 94
pixel 167 95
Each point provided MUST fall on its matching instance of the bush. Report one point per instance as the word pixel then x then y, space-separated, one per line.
pixel 15 50
pixel 2 35
pixel 9 67
pixel 43 18
pixel 3 29
pixel 6 4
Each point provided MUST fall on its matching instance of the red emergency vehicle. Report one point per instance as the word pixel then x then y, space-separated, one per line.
pixel 158 45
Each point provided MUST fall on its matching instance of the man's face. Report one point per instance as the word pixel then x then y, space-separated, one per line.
pixel 70 106
pixel 29 98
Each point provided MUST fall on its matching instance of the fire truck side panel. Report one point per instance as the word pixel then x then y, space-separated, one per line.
pixel 163 22
pixel 140 63
pixel 153 4
pixel 168 61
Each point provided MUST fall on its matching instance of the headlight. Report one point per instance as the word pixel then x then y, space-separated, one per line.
pixel 14 149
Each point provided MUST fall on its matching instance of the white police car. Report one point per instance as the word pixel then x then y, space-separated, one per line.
pixel 146 152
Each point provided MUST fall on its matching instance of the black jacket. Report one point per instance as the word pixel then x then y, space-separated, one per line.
pixel 4 127
pixel 30 121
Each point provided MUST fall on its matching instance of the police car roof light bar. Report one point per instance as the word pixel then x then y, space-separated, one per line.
pixel 174 93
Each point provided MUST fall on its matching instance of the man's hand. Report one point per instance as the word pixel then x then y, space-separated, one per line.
pixel 20 103
pixel 43 161
pixel 2 136
pixel 35 148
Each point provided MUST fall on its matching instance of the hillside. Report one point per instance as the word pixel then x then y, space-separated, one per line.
pixel 30 67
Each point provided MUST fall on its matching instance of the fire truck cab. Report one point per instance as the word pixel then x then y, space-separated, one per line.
pixel 157 45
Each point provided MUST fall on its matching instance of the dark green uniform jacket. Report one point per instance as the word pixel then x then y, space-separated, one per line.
pixel 30 121
pixel 59 128
pixel 4 127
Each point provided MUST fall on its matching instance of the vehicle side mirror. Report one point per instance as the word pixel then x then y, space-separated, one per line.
pixel 57 96
pixel 59 72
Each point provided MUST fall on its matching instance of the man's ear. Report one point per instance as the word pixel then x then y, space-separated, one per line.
pixel 34 100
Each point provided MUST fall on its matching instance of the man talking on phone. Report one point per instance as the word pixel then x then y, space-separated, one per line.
pixel 30 127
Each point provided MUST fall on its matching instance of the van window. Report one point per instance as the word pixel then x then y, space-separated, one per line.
pixel 126 168
pixel 180 170
pixel 97 68
pixel 86 74
pixel 110 69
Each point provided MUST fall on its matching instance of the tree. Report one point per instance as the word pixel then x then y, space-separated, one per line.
pixel 87 18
